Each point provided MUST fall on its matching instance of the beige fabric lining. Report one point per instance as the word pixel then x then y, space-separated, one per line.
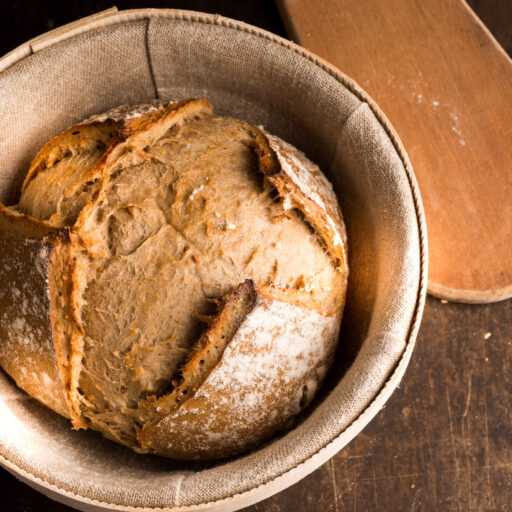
pixel 247 73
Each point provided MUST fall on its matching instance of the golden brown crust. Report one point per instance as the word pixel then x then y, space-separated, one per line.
pixel 137 133
pixel 24 226
pixel 181 423
pixel 64 321
pixel 164 117
pixel 108 132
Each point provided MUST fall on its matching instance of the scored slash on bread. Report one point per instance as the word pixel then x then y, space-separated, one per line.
pixel 296 181
pixel 269 371
pixel 74 226
pixel 234 308
pixel 76 158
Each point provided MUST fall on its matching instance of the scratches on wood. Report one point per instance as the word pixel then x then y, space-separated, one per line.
pixel 465 413
pixel 432 465
pixel 487 455
pixel 466 439
pixel 454 447
pixel 375 489
pixel 334 487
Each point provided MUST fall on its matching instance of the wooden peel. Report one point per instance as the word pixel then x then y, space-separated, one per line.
pixel 445 84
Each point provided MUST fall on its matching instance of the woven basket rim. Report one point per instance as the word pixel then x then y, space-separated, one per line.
pixel 285 479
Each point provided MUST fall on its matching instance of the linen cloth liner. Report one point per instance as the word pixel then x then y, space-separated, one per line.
pixel 249 74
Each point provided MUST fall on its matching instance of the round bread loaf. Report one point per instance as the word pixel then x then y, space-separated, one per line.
pixel 172 279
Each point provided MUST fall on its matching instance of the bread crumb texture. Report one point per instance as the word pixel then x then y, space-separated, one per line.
pixel 183 279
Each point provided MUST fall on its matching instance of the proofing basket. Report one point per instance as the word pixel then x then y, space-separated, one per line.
pixel 115 58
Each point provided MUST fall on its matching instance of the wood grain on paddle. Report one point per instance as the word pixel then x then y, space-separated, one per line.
pixel 446 86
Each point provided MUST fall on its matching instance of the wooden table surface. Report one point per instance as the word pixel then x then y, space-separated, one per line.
pixel 444 440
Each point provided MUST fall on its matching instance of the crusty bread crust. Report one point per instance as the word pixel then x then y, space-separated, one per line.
pixel 29 346
pixel 217 404
pixel 125 112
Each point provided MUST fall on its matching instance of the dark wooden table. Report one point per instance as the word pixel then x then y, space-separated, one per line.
pixel 444 440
